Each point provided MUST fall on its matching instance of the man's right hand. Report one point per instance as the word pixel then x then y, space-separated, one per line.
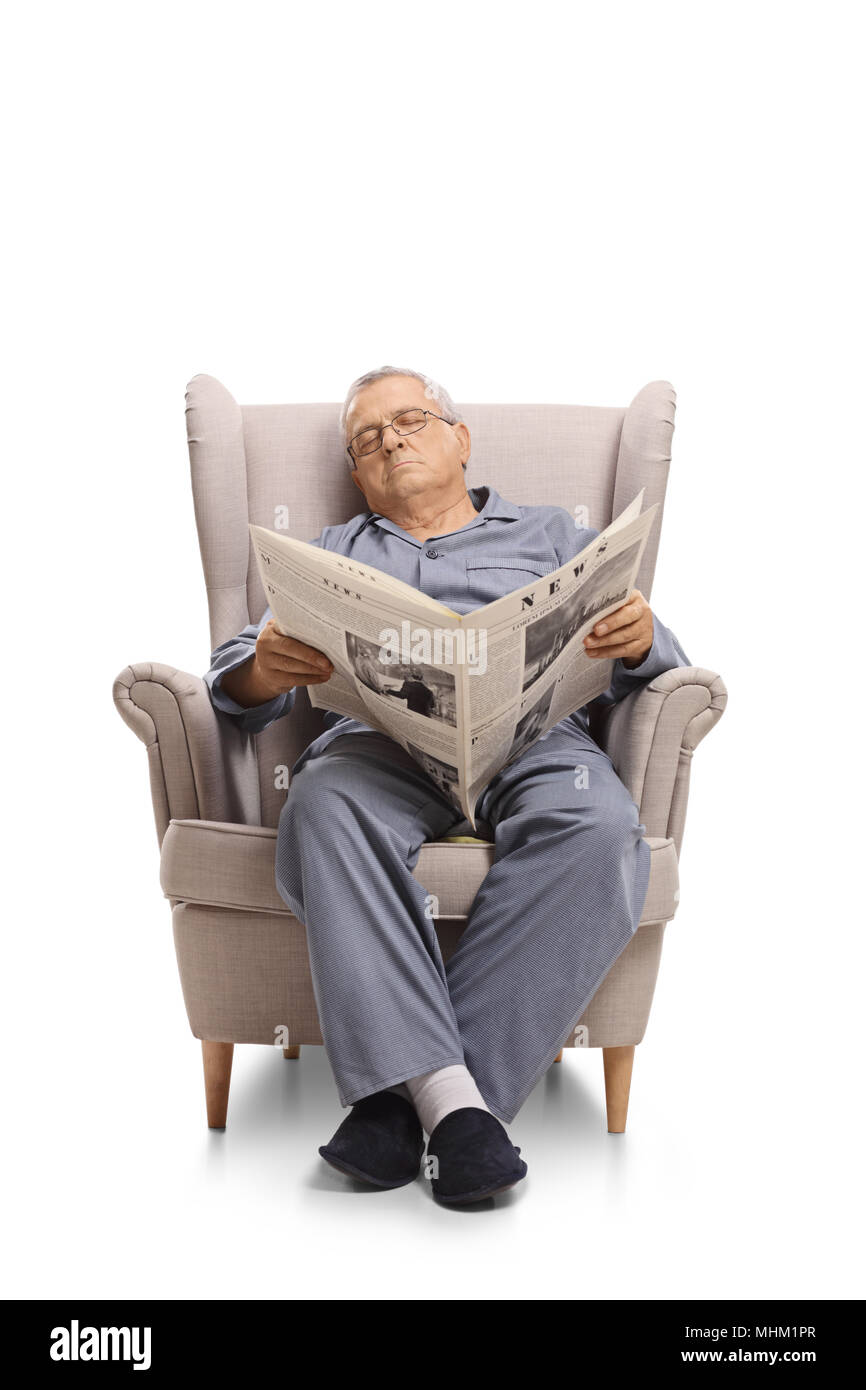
pixel 279 664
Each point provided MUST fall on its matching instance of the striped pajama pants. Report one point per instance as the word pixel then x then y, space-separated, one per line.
pixel 560 902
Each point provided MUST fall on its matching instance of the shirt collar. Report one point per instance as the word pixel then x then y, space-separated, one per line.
pixel 485 499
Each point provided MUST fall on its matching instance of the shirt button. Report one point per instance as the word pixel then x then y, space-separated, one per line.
pixel 432 554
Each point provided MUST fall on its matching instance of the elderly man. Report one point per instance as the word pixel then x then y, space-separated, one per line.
pixel 416 1045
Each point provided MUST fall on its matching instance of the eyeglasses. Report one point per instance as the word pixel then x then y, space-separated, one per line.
pixel 407 422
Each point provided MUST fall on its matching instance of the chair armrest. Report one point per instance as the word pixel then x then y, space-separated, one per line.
pixel 201 766
pixel 650 737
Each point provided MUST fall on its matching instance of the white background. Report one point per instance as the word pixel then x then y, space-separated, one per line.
pixel 569 201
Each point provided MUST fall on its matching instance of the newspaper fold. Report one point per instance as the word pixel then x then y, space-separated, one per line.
pixel 464 694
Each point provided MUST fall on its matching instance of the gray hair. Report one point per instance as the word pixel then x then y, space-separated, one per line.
pixel 434 392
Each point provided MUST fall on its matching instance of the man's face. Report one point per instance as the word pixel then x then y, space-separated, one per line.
pixel 406 469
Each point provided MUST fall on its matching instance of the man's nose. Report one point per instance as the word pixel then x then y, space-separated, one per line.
pixel 390 441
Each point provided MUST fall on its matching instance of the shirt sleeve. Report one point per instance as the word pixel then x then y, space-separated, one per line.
pixel 228 657
pixel 233 653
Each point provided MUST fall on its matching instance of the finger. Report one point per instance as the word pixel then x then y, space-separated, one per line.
pixel 628 649
pixel 629 612
pixel 292 646
pixel 287 676
pixel 287 645
pixel 307 658
pixel 632 633
pixel 318 679
pixel 311 664
pixel 292 667
pixel 309 654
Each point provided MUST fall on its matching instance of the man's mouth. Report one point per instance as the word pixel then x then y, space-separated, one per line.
pixel 400 464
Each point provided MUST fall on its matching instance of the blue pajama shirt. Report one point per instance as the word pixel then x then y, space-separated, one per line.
pixel 563 896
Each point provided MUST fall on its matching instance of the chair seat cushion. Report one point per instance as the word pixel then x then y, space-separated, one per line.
pixel 227 865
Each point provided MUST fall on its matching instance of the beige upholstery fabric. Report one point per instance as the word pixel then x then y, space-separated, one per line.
pixel 246 978
pixel 208 862
pixel 242 955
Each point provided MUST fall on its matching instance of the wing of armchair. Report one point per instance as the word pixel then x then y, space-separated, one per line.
pixel 650 737
pixel 201 766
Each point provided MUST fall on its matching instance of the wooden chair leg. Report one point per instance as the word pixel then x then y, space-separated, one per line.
pixel 558 1057
pixel 618 1063
pixel 292 1054
pixel 217 1059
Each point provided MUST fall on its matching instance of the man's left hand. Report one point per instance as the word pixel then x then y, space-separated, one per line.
pixel 627 632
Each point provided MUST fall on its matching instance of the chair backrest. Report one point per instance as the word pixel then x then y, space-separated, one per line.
pixel 249 460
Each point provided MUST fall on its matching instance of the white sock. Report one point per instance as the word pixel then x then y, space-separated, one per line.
pixel 400 1090
pixel 437 1093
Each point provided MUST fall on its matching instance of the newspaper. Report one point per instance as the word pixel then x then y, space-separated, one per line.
pixel 466 694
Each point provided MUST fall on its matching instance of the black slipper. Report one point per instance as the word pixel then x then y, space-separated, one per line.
pixel 474 1157
pixel 380 1141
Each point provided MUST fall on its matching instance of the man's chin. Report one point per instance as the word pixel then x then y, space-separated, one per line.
pixel 407 476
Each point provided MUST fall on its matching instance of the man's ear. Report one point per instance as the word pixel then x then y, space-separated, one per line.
pixel 465 439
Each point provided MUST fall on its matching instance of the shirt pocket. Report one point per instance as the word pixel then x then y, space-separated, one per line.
pixel 488 577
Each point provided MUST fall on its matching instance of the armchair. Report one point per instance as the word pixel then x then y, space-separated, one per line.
pixel 242 955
